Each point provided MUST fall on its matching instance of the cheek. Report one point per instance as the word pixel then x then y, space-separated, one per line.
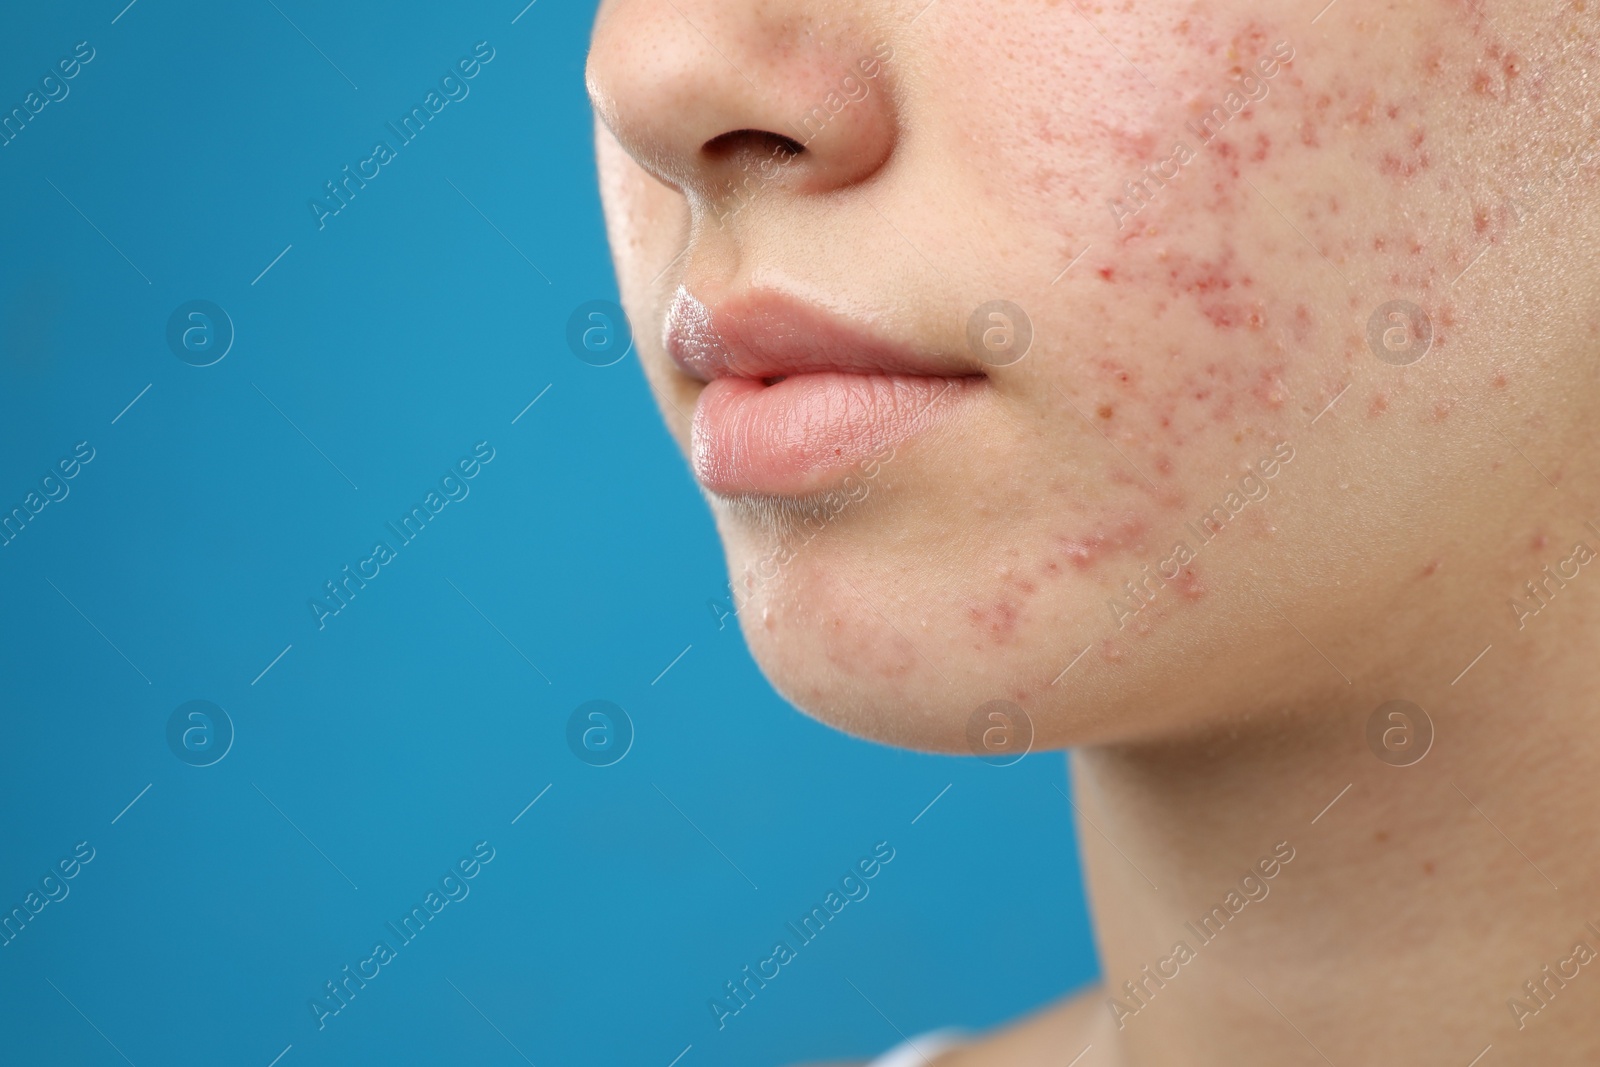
pixel 1226 254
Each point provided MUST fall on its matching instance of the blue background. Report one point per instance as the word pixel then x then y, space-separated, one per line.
pixel 370 757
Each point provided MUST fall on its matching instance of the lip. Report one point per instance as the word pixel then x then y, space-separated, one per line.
pixel 796 397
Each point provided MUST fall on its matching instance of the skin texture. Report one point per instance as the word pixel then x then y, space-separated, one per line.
pixel 1188 335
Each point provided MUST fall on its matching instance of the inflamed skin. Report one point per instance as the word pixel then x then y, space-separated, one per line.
pixel 1357 241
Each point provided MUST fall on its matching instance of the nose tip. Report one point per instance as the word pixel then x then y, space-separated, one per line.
pixel 720 100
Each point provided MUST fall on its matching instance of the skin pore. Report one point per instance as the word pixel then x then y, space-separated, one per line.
pixel 1218 514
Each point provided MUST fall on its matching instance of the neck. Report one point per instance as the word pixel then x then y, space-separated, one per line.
pixel 1276 893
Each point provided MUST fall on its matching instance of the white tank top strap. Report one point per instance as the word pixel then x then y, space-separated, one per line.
pixel 920 1051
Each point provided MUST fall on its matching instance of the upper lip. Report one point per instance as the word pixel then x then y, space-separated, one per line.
pixel 767 334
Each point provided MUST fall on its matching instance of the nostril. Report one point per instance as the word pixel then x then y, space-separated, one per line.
pixel 742 146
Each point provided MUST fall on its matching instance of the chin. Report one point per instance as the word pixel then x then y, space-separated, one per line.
pixel 900 628
pixel 859 632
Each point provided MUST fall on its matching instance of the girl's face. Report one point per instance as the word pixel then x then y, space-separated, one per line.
pixel 1142 365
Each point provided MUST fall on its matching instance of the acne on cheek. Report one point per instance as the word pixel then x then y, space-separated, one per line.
pixel 1171 409
pixel 1226 298
pixel 1313 110
pixel 996 622
pixel 1103 540
pixel 1175 266
pixel 1481 82
pixel 1175 389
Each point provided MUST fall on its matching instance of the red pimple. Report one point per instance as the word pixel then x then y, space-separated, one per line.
pixel 1023 586
pixel 999 622
pixel 1081 553
pixel 1190 587
pixel 1084 552
pixel 1302 322
pixel 1268 389
pixel 1378 406
pixel 1139 145
pixel 1430 569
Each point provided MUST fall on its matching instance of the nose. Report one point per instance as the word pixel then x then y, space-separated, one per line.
pixel 723 98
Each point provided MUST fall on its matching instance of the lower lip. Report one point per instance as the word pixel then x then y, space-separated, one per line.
pixel 800 434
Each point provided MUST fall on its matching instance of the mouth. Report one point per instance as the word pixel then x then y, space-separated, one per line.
pixel 796 398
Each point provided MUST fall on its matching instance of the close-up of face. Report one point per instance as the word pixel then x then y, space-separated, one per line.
pixel 801 533
pixel 1142 365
